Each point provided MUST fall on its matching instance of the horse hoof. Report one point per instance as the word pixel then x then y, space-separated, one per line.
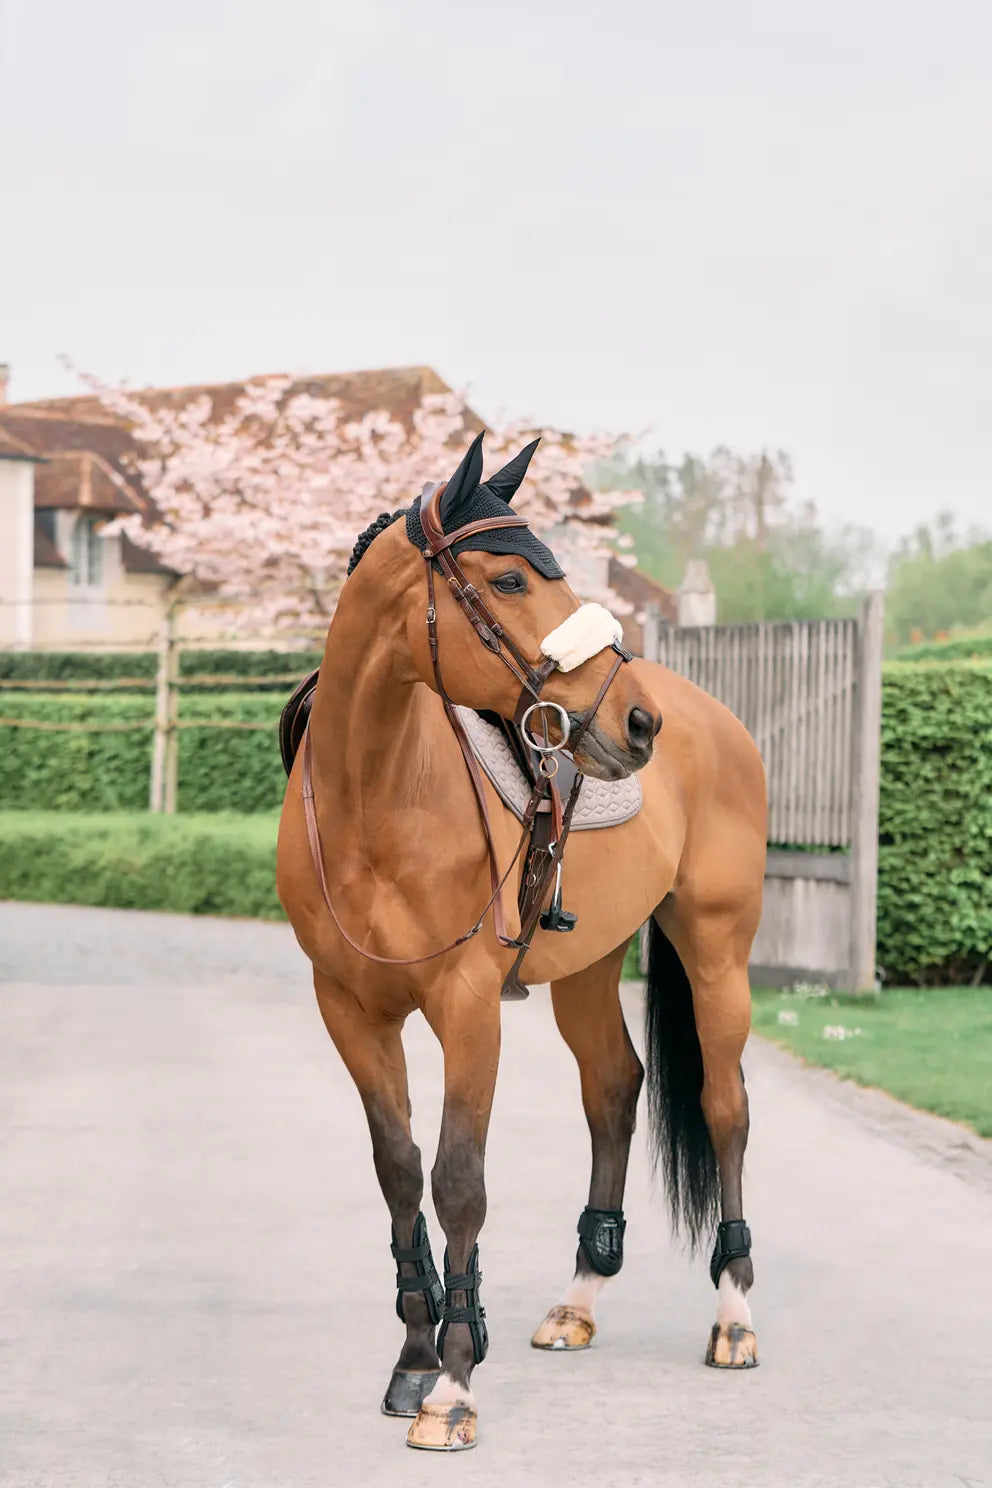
pixel 443 1428
pixel 565 1328
pixel 732 1347
pixel 406 1391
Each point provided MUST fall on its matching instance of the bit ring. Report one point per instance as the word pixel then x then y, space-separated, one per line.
pixel 563 724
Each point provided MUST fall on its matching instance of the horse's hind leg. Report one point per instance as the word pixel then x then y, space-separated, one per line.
pixel 699 965
pixel 373 1054
pixel 589 1016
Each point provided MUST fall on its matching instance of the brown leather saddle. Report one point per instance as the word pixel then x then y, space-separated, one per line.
pixel 294 718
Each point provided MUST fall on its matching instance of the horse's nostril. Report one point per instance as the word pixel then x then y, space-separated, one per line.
pixel 642 728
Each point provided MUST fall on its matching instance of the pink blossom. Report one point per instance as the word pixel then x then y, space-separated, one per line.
pixel 264 503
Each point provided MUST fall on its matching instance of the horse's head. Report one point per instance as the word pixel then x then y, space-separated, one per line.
pixel 504 573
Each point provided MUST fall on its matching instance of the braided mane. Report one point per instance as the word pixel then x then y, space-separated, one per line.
pixel 382 521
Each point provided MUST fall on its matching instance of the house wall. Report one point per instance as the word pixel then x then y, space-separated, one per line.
pixel 16 553
pixel 68 620
pixel 123 612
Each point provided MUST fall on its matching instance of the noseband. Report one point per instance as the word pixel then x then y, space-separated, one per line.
pixel 532 681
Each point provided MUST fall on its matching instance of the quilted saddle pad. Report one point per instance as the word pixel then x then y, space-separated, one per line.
pixel 601 803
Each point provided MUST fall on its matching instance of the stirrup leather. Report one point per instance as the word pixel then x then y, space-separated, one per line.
pixel 473 1313
pixel 426 1280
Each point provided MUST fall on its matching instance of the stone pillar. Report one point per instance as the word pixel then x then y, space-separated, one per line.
pixel 696 595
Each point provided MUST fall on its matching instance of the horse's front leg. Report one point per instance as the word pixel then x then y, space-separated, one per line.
pixel 468 1026
pixel 590 1019
pixel 372 1050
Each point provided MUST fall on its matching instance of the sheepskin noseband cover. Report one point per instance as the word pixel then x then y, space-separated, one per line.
pixel 590 630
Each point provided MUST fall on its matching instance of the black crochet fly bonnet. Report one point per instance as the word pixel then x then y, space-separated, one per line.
pixel 467 498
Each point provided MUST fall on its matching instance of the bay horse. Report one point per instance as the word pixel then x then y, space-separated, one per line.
pixel 389 854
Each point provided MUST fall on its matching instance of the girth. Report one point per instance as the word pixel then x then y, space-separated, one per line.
pixel 547 816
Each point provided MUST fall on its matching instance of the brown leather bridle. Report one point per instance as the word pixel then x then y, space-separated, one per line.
pixel 532 679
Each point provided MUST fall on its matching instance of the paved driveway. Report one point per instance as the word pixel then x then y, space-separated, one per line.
pixel 195 1283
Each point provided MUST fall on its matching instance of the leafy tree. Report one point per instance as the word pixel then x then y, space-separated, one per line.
pixel 940 580
pixel 770 557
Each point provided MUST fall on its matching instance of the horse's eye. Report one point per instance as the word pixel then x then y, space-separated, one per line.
pixel 511 583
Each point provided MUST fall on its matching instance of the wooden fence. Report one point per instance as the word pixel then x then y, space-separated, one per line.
pixel 809 692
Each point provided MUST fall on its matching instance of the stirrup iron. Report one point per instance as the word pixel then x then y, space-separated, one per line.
pixel 554 917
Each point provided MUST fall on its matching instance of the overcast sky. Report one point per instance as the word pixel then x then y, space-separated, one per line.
pixel 764 223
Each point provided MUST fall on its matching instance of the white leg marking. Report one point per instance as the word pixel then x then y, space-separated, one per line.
pixel 447 1392
pixel 732 1305
pixel 583 1292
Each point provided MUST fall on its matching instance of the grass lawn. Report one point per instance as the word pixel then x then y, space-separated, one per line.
pixel 931 1047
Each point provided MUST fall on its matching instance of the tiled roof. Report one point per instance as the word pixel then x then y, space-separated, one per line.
pixel 83 479
pixel 640 590
pixel 13 448
pixel 54 432
pixel 141 560
pixel 398 390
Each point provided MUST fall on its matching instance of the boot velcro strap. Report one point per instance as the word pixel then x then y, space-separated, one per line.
pixel 411 1253
pixel 416 1283
pixel 462 1283
pixel 471 1314
pixel 426 1280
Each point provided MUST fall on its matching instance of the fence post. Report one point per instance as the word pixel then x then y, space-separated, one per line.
pixel 650 646
pixel 166 705
pixel 865 786
pixel 171 787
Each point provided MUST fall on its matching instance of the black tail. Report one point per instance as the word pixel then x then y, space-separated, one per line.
pixel 679 1137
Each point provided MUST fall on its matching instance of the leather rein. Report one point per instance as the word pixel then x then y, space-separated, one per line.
pixel 532 680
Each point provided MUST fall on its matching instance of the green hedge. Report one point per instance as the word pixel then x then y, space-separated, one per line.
pixel 216 865
pixel 935 838
pixel 220 769
pixel 935 853
pixel 106 666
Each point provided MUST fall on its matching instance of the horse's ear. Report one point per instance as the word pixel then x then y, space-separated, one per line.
pixel 464 481
pixel 506 482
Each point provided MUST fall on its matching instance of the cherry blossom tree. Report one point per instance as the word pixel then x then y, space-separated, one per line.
pixel 262 504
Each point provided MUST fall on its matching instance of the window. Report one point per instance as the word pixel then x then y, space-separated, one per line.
pixel 86 565
pixel 44 522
